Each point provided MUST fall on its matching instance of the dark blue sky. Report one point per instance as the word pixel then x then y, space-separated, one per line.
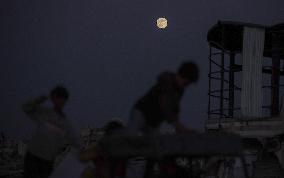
pixel 108 52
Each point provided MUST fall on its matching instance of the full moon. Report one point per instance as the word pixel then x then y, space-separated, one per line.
pixel 162 23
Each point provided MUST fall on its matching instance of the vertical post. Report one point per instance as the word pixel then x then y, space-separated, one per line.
pixel 222 75
pixel 209 83
pixel 222 85
pixel 275 77
pixel 231 85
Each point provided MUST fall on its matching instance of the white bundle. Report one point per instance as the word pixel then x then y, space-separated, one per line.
pixel 253 45
pixel 69 167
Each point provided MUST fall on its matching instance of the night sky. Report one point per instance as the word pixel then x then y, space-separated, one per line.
pixel 108 53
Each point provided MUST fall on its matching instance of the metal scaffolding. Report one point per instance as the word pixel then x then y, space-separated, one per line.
pixel 225 42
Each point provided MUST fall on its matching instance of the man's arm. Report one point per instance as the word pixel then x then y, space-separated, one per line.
pixel 32 108
pixel 170 109
pixel 180 128
pixel 168 101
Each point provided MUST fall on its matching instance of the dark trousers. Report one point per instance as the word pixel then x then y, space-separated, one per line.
pixel 36 167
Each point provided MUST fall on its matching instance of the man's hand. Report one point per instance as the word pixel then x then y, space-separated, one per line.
pixel 31 106
pixel 180 128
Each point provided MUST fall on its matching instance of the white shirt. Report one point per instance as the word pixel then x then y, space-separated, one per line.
pixel 52 132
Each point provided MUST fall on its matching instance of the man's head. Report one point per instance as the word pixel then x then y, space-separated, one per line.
pixel 187 73
pixel 59 95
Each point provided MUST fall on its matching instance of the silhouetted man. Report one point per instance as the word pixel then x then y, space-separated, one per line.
pixel 162 102
pixel 52 132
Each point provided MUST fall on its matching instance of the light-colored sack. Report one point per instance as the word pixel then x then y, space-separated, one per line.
pixel 69 167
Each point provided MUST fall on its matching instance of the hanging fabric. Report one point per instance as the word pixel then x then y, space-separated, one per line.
pixel 252 97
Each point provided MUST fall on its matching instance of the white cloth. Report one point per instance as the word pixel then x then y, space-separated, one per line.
pixel 69 167
pixel 251 97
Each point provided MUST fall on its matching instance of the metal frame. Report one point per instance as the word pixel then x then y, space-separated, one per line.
pixel 228 89
pixel 227 86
